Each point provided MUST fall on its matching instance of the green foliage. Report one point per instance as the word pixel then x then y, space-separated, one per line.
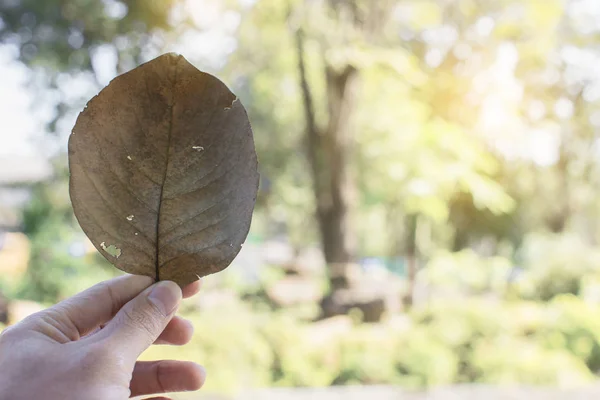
pixel 574 328
pixel 466 272
pixel 424 361
pixel 58 34
pixel 229 344
pixel 301 359
pixel 54 272
pixel 271 94
pixel 510 360
pixel 365 357
pixel 502 344
pixel 548 265
pixel 556 264
pixel 476 341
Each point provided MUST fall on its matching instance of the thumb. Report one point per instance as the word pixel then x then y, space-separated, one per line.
pixel 139 323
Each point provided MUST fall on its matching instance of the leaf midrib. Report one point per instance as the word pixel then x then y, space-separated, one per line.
pixel 162 186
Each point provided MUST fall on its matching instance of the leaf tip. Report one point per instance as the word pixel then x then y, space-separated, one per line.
pixel 173 57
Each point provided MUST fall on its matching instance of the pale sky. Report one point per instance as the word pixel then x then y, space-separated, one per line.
pixel 18 127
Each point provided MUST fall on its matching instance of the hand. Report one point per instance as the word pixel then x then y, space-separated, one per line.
pixel 87 347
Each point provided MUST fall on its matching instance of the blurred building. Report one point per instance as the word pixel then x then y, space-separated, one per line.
pixel 17 174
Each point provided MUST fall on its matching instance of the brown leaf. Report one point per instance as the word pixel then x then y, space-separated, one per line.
pixel 164 172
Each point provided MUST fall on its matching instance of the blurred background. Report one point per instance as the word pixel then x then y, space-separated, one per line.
pixel 428 221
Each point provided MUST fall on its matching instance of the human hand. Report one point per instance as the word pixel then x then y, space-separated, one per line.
pixel 87 346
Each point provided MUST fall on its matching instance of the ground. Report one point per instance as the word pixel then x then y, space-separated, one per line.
pixel 467 392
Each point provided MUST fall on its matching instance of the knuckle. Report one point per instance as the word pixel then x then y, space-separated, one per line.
pixel 110 294
pixel 160 374
pixel 142 319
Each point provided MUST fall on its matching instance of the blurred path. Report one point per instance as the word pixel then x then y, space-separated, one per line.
pixel 467 392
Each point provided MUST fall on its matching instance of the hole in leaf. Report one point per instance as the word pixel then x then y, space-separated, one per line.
pixel 198 148
pixel 130 218
pixel 229 108
pixel 129 158
pixel 112 249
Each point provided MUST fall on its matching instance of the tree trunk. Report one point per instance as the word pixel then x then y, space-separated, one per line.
pixel 330 149
pixel 330 156
pixel 335 206
pixel 411 258
pixel 557 222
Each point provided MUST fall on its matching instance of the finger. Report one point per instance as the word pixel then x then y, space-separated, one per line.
pixel 141 321
pixel 86 312
pixel 192 289
pixel 83 313
pixel 178 332
pixel 155 377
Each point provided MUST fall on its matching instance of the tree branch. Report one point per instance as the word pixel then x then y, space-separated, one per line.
pixel 313 134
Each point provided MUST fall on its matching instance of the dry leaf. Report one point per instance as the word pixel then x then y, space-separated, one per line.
pixel 164 172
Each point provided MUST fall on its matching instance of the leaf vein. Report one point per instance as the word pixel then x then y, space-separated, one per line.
pixel 196 251
pixel 194 216
pixel 106 203
pixel 84 206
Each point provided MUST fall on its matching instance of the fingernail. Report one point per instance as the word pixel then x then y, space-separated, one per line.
pixel 165 296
